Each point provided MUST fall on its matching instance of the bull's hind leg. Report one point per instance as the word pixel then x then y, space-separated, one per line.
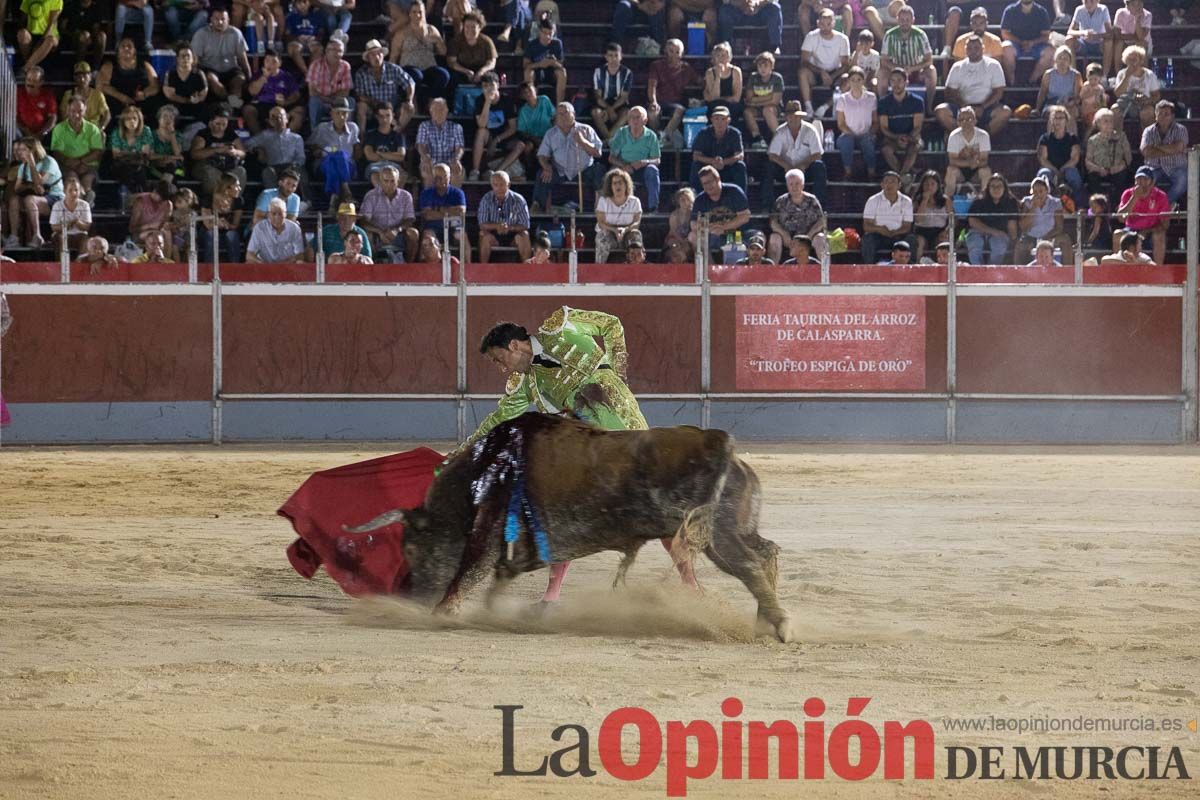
pixel 733 556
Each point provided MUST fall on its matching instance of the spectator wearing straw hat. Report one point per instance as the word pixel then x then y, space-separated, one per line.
pixel 333 235
pixel 379 81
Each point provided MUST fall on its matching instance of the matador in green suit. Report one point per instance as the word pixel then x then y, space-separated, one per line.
pixel 563 369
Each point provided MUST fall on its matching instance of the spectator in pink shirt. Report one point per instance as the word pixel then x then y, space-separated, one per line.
pixel 1145 209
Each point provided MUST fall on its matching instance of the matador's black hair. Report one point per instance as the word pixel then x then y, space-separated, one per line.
pixel 501 335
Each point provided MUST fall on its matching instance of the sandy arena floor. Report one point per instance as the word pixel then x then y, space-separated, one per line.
pixel 155 643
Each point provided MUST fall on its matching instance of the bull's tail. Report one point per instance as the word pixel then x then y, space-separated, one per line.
pixel 384 519
pixel 695 533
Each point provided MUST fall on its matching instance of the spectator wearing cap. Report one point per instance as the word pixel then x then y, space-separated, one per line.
pixel 618 214
pixel 41 19
pixel 1128 251
pixel 443 201
pixel 389 217
pixel 901 255
pixel 379 81
pixel 654 12
pixel 724 204
pixel 217 150
pixel 440 141
pixel 857 118
pixel 976 81
pixel 1164 148
pixel 285 190
pixel 273 87
pixel 333 235
pixel 568 154
pixel 1146 211
pixel 900 119
pixel 720 146
pixel 329 79
pixel 800 252
pixel 543 60
pixel 503 219
pixel 636 150
pixel 277 239
pixel 907 47
pixel 78 145
pixel 95 105
pixel 824 57
pixel 221 53
pixel 795 213
pixel 756 13
pixel 756 252
pixel 993 45
pixel 385 145
pixel 333 146
pixel 278 147
pixel 1027 25
pixel 887 219
pixel 37 110
pixel 472 53
pixel 967 149
pixel 796 145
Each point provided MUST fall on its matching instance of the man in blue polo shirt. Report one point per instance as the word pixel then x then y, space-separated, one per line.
pixel 1027 25
pixel 442 201
pixel 900 117
pixel 719 146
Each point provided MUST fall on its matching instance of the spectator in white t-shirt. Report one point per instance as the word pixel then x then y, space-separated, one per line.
pixel 887 219
pixel 857 117
pixel 976 81
pixel 71 216
pixel 618 214
pixel 824 57
pixel 967 149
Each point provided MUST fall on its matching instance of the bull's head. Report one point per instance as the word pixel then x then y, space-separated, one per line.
pixel 432 548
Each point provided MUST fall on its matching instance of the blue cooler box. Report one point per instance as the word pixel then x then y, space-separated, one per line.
pixel 693 124
pixel 163 62
pixel 695 39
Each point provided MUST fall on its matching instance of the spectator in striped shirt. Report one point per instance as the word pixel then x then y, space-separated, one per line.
pixel 503 219
pixel 907 47
pixel 440 141
pixel 328 79
pixel 1164 146
pixel 610 93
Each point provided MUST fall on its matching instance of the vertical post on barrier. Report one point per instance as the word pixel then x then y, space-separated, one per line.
pixel 320 247
pixel 193 262
pixel 1191 369
pixel 705 332
pixel 461 349
pixel 218 356
pixel 1078 247
pixel 64 257
pixel 446 274
pixel 701 243
pixel 216 245
pixel 952 335
pixel 573 256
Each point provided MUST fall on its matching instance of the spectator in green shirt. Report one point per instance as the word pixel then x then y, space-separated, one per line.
pixel 77 145
pixel 636 150
pixel 41 19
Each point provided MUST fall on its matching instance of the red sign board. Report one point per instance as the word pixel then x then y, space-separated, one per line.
pixel 833 343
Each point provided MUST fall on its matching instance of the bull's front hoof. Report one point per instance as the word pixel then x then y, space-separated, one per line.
pixel 447 608
pixel 780 629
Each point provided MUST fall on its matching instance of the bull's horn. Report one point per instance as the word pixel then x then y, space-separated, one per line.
pixel 384 519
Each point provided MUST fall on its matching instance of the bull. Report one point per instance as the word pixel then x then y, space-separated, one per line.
pixel 593 490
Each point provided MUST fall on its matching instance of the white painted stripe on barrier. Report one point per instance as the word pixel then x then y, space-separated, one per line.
pixel 817 289
pixel 1051 290
pixel 110 289
pixel 337 290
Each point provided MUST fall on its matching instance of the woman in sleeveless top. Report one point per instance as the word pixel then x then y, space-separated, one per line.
pixel 723 82
pixel 417 47
pixel 1062 85
pixel 130 80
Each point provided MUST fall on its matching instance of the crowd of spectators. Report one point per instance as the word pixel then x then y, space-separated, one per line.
pixel 264 93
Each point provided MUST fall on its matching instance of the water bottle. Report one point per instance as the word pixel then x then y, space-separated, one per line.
pixel 737 238
pixel 1154 67
pixel 251 36
pixel 504 79
pixel 829 140
pixel 1170 76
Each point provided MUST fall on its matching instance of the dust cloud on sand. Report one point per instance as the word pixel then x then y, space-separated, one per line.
pixel 154 641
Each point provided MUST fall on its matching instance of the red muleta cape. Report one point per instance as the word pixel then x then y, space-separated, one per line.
pixel 361 563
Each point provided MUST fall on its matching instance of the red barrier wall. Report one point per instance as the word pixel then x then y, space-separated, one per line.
pixel 338 344
pixel 89 348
